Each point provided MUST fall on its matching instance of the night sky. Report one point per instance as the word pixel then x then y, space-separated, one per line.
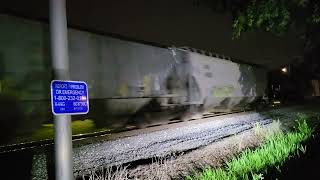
pixel 166 22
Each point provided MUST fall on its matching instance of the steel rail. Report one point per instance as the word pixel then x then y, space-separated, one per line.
pixel 47 142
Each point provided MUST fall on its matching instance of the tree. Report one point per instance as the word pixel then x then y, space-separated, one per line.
pixel 277 17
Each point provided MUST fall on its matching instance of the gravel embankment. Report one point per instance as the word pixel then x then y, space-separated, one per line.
pixel 188 136
pixel 163 142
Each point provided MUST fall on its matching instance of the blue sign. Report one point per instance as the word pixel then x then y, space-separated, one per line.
pixel 69 97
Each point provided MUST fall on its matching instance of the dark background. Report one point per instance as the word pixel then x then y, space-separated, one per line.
pixel 167 22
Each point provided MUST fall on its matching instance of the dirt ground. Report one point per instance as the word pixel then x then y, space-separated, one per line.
pixel 178 166
pixel 213 155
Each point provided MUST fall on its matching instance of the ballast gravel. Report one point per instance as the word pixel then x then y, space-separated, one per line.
pixel 190 136
pixel 163 142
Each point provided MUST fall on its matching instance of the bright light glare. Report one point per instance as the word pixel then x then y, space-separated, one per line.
pixel 276 102
pixel 284 70
pixel 83 98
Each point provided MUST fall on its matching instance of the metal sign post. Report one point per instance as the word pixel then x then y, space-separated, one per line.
pixel 59 51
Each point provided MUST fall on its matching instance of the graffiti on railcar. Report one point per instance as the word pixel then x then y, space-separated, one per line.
pixel 223 91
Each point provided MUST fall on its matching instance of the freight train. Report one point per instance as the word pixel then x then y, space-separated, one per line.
pixel 129 82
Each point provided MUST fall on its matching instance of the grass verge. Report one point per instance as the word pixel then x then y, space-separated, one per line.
pixel 251 164
pixel 46 131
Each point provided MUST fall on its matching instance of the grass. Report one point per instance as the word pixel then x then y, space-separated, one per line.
pixel 109 173
pixel 46 131
pixel 251 164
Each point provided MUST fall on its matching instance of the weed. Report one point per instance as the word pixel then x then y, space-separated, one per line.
pixel 258 130
pixel 109 173
pixel 277 149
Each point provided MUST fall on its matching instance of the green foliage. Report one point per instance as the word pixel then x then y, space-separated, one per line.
pixel 275 15
pixel 315 16
pixel 46 131
pixel 250 163
pixel 268 15
pixel 8 88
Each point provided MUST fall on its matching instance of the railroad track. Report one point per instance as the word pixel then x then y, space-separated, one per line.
pixel 49 142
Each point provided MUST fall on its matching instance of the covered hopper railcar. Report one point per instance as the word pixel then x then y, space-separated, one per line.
pixel 128 82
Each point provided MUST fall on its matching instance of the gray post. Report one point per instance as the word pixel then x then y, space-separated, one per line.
pixel 59 50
